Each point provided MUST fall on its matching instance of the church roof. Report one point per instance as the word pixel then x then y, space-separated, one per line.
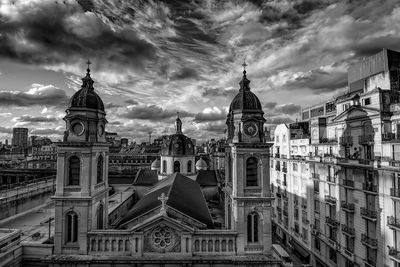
pixel 177 144
pixel 146 177
pixel 183 194
pixel 207 178
pixel 86 97
pixel 245 100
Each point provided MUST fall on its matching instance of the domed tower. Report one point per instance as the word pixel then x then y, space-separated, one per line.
pixel 177 153
pixel 248 196
pixel 81 198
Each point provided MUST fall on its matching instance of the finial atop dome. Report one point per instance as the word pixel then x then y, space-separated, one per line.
pixel 178 123
pixel 87 80
pixel 244 83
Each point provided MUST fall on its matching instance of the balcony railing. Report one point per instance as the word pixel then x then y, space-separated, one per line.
pixel 331 179
pixel 395 192
pixel 366 139
pixel 305 220
pixel 393 222
pixel 331 222
pixel 315 176
pixel 346 140
pixel 284 169
pixel 346 206
pixel 370 188
pixel 390 137
pixel 330 200
pixel 277 155
pixel 395 253
pixel 348 183
pixel 332 140
pixel 369 241
pixel 278 167
pixel 350 231
pixel 368 214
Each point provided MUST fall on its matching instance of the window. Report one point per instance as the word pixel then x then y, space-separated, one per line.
pixel 251 172
pixel 74 170
pixel 332 255
pixel 317 243
pixel 177 166
pixel 100 217
pixel 367 101
pixel 164 166
pixel 295 167
pixel 252 227
pixel 72 227
pixel 189 166
pixel 100 169
pixel 316 206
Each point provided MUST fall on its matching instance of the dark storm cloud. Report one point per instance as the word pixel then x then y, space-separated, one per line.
pixel 215 127
pixel 38 95
pixel 7 130
pixel 184 74
pixel 57 32
pixel 319 81
pixel 270 105
pixel 152 113
pixel 288 109
pixel 131 102
pixel 30 119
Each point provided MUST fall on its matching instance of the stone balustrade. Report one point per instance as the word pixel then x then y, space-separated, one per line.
pixel 111 242
pixel 211 242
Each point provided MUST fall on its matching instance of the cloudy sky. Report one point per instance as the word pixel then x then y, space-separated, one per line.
pixel 154 58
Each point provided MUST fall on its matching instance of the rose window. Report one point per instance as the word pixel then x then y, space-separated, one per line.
pixel 162 237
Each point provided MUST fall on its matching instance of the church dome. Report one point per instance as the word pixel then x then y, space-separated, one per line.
pixel 156 165
pixel 177 145
pixel 245 99
pixel 201 164
pixel 86 97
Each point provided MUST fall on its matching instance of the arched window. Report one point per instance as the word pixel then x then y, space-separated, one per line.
pixel 189 166
pixel 252 227
pixel 72 227
pixel 100 217
pixel 164 166
pixel 100 169
pixel 177 166
pixel 74 170
pixel 251 172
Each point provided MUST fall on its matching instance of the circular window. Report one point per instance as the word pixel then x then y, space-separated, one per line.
pixel 77 128
pixel 162 237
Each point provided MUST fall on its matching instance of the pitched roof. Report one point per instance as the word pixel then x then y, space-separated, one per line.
pixel 146 177
pixel 207 178
pixel 183 194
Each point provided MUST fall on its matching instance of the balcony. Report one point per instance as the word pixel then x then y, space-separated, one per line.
pixel 369 241
pixel 395 253
pixel 348 183
pixel 393 223
pixel 369 263
pixel 278 167
pixel 315 176
pixel 366 139
pixel 285 212
pixel 331 222
pixel 395 192
pixel 390 137
pixel 346 206
pixel 332 140
pixel 370 188
pixel 277 155
pixel 346 140
pixel 330 200
pixel 368 214
pixel 315 230
pixel 284 169
pixel 305 220
pixel 349 231
pixel 279 209
pixel 331 179
pixel 316 190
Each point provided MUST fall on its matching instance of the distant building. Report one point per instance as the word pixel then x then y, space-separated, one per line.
pixel 20 137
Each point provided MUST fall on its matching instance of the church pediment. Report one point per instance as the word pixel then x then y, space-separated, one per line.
pixel 355 112
pixel 164 220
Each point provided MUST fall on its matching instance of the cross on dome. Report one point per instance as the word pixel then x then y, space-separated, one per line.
pixel 244 65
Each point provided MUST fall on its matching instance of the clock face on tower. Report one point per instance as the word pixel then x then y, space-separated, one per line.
pixel 250 128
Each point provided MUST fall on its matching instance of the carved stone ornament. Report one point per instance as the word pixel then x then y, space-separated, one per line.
pixel 162 239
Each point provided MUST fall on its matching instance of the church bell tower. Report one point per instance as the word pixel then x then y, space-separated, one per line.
pixel 247 170
pixel 82 165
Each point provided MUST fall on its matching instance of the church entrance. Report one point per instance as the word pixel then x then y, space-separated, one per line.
pixel 177 166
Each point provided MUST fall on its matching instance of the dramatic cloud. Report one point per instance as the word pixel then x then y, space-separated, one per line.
pixel 47 132
pixel 39 94
pixel 154 58
pixel 30 119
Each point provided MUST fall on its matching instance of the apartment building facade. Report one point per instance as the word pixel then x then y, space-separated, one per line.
pixel 337 172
